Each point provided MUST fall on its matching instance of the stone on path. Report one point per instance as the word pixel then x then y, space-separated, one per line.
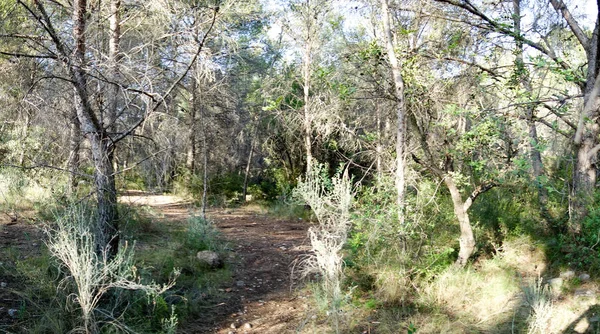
pixel 210 259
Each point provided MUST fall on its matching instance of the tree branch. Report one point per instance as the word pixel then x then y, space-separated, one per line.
pixel 25 55
pixel 478 191
pixel 589 107
pixel 557 114
pixel 560 6
pixel 174 84
pixel 497 27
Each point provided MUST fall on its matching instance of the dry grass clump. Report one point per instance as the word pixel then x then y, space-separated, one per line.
pixel 484 298
pixel 392 285
pixel 524 255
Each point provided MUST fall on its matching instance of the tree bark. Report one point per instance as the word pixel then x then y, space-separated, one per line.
pixel 586 137
pixel 101 144
pixel 467 238
pixel 247 171
pixel 191 152
pixel 379 148
pixel 114 57
pixel 400 110
pixel 205 164
pixel 74 145
pixel 534 151
pixel 306 66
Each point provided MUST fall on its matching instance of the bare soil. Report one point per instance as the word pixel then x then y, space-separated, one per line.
pixel 261 297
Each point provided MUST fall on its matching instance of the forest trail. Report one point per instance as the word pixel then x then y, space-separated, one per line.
pixel 261 297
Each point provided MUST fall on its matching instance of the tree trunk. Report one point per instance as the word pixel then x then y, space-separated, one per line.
pixel 114 57
pixel 191 152
pixel 100 143
pixel 247 172
pixel 379 148
pixel 400 110
pixel 534 152
pixel 205 163
pixel 586 142
pixel 74 145
pixel 467 239
pixel 24 136
pixel 306 65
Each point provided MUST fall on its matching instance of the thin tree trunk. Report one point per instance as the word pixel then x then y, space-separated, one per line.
pixel 379 148
pixel 205 162
pixel 191 153
pixel 400 110
pixel 114 57
pixel 306 65
pixel 534 151
pixel 74 145
pixel 24 136
pixel 247 172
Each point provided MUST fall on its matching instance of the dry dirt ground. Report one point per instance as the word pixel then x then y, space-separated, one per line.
pixel 261 296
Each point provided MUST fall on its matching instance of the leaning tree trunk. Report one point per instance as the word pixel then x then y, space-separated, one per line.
pixel 400 110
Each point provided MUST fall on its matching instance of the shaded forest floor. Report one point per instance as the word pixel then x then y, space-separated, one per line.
pixel 260 296
pixel 254 293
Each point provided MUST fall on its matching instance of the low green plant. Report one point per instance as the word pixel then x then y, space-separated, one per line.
pixel 202 234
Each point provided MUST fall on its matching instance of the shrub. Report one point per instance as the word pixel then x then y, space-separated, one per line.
pixel 73 243
pixel 330 200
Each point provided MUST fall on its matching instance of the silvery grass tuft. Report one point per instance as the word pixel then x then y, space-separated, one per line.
pixel 73 242
pixel 539 298
pixel 331 200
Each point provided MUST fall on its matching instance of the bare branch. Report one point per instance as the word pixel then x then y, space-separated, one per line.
pixel 25 55
pixel 175 83
pixel 497 27
pixel 560 6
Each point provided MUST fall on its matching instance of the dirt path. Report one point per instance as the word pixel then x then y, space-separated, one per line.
pixel 261 298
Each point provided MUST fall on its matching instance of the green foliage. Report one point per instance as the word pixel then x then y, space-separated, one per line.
pixel 202 234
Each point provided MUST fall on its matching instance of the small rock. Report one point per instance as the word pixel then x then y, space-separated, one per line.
pixel 567 274
pixel 210 259
pixel 584 293
pixel 247 325
pixel 240 284
pixel 555 283
pixel 12 312
pixel 3 285
pixel 230 332
pixel 233 325
pixel 584 277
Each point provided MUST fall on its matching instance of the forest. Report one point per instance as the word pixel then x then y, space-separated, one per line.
pixel 299 166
